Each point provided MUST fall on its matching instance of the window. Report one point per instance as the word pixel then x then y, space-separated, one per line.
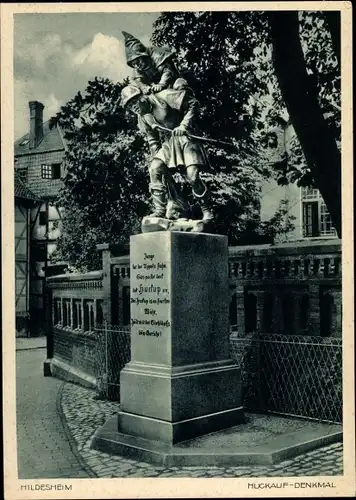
pixel 311 219
pixel 326 225
pixel 46 171
pixel 42 220
pixel 309 193
pixel 316 218
pixel 56 171
pixel 51 171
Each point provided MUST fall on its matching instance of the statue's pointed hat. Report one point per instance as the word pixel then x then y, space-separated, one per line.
pixel 133 48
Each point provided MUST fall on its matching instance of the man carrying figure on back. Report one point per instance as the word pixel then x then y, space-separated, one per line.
pixel 174 109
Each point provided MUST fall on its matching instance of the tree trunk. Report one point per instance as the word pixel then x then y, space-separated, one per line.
pixel 301 98
pixel 333 20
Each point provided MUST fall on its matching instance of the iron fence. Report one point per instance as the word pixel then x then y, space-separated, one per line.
pixel 111 354
pixel 285 374
pixel 292 375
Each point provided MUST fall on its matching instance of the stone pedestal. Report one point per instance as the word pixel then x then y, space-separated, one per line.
pixel 180 382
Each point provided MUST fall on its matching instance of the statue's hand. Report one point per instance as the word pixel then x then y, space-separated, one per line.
pixel 157 87
pixel 179 131
pixel 146 90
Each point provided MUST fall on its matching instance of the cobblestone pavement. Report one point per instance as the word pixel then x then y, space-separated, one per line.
pixel 43 447
pixel 84 414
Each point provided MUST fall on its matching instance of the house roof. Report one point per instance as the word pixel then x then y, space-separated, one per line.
pixel 22 191
pixel 52 140
pixel 46 188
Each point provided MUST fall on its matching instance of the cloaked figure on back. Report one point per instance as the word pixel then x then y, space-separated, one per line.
pixel 154 68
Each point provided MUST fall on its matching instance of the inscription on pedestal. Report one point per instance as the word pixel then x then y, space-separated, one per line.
pixel 150 297
pixel 151 315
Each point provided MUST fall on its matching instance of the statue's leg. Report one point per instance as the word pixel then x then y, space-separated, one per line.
pixel 200 191
pixel 177 207
pixel 157 188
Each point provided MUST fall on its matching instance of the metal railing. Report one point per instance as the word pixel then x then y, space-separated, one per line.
pixel 284 374
pixel 292 375
pixel 113 351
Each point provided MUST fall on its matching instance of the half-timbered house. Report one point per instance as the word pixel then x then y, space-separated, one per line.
pixel 25 201
pixel 38 166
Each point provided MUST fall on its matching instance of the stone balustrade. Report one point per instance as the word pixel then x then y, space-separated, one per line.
pixel 293 288
pixel 290 289
pixel 76 300
pixel 74 307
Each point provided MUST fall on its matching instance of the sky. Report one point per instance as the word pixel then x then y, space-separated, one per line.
pixel 55 55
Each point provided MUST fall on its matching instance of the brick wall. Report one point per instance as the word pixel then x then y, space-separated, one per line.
pixel 32 163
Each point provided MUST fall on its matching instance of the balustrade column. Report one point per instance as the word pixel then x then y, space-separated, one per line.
pixel 277 317
pixel 314 310
pixel 95 309
pixel 71 313
pixel 240 306
pixel 337 316
pixel 259 312
pixel 81 314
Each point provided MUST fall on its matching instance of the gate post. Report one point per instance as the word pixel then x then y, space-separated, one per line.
pixel 107 292
pixel 314 314
pixel 48 323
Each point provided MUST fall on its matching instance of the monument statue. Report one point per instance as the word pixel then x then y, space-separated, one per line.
pixel 167 118
pixel 167 112
pixel 180 382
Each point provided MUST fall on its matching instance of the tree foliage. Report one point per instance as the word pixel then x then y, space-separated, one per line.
pixel 228 58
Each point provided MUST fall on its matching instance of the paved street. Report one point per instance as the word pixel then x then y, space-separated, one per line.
pixel 43 448
pixel 56 421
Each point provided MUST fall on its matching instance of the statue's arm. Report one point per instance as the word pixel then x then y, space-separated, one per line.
pixel 168 75
pixel 190 107
pixel 141 81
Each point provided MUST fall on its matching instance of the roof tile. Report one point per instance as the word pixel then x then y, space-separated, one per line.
pixel 52 140
pixel 22 191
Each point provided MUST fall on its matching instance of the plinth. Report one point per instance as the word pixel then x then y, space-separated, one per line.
pixel 180 382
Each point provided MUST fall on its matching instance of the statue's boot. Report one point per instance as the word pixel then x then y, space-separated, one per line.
pixel 205 205
pixel 177 207
pixel 159 200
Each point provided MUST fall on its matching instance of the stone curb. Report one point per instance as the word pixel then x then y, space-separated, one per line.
pixel 30 348
pixel 69 437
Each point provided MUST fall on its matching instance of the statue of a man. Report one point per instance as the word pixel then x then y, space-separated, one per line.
pixel 174 109
pixel 154 69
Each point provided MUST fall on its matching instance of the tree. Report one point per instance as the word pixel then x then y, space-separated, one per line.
pixel 240 68
pixel 301 95
pixel 105 188
pixel 106 184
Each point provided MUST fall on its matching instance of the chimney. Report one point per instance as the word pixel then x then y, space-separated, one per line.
pixel 36 123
